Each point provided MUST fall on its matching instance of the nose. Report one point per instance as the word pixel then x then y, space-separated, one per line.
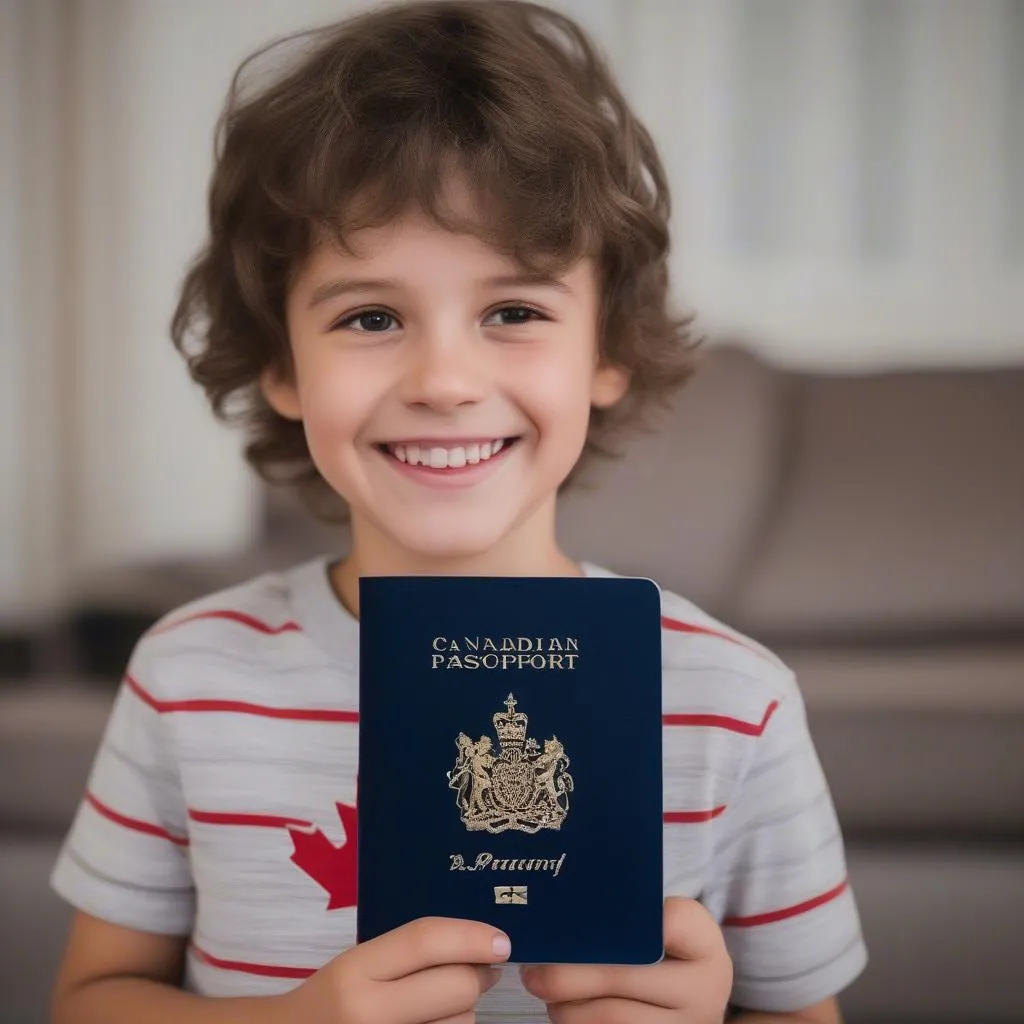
pixel 446 368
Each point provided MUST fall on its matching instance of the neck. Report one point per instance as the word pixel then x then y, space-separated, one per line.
pixel 531 550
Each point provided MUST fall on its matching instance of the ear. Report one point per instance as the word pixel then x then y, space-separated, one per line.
pixel 609 386
pixel 281 393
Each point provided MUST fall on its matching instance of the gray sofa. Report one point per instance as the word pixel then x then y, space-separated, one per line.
pixel 868 528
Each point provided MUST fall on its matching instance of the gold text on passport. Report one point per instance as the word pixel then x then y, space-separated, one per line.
pixel 519 786
pixel 505 652
pixel 487 861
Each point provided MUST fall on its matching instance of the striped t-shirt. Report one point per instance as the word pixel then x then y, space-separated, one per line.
pixel 221 806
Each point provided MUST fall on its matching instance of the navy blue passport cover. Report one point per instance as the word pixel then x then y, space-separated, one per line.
pixel 510 761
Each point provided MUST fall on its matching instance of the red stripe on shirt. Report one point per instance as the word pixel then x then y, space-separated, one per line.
pixel 692 817
pixel 165 707
pixel 786 912
pixel 688 627
pixel 133 823
pixel 724 722
pixel 242 618
pixel 250 820
pixel 264 970
pixel 337 715
pixel 277 821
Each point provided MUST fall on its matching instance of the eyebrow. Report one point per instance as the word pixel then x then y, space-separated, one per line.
pixel 344 286
pixel 537 280
pixel 349 286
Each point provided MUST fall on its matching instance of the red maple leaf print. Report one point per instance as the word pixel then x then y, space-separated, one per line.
pixel 331 867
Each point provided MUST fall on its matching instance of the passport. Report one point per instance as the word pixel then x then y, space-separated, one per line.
pixel 510 764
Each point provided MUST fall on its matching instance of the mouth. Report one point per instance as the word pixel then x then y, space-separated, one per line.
pixel 442 456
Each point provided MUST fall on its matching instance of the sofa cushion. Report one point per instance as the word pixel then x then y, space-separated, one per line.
pixel 920 741
pixel 49 734
pixel 943 677
pixel 943 931
pixel 901 511
pixel 684 506
pixel 33 928
pixel 924 774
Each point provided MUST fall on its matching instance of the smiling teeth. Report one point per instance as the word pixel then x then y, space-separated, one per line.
pixel 446 458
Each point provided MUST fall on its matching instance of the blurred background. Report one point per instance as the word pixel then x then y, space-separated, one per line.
pixel 844 480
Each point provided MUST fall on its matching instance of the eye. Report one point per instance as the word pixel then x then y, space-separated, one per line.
pixel 512 316
pixel 368 321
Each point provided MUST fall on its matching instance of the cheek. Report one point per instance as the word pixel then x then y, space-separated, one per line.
pixel 337 398
pixel 559 410
pixel 559 391
pixel 559 371
pixel 328 414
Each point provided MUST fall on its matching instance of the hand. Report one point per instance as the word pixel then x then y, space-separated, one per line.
pixel 430 971
pixel 690 986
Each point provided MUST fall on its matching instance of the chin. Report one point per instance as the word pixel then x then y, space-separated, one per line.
pixel 451 544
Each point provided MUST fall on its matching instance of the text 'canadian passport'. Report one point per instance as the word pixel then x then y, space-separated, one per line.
pixel 510 761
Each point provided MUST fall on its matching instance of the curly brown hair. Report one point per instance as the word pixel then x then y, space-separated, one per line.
pixel 370 121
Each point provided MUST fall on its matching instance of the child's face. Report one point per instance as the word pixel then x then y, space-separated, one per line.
pixel 446 405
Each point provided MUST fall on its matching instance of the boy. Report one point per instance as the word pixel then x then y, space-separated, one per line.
pixel 436 277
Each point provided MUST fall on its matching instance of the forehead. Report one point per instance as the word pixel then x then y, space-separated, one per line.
pixel 408 236
pixel 414 252
pixel 455 219
pixel 458 227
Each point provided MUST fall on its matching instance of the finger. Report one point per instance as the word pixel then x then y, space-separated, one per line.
pixel 438 992
pixel 691 933
pixel 662 985
pixel 430 942
pixel 608 1011
pixel 469 1017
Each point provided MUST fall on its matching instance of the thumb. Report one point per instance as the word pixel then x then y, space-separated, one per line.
pixel 691 933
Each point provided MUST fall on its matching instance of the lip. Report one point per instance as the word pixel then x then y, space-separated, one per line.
pixel 449 479
pixel 448 442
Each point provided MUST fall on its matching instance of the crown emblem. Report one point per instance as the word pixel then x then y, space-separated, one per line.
pixel 510 726
pixel 518 786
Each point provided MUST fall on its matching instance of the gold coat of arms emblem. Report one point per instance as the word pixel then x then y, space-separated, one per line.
pixel 516 786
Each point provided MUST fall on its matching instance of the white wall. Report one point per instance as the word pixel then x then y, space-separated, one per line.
pixel 849 185
pixel 32 494
pixel 156 478
pixel 108 453
pixel 848 174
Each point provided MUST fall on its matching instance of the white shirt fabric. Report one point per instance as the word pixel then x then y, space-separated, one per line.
pixel 221 798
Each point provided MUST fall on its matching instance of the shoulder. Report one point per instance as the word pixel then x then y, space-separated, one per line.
pixel 252 626
pixel 261 606
pixel 712 668
pixel 693 639
pixel 715 674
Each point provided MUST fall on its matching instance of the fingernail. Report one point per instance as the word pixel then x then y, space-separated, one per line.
pixel 493 978
pixel 502 946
